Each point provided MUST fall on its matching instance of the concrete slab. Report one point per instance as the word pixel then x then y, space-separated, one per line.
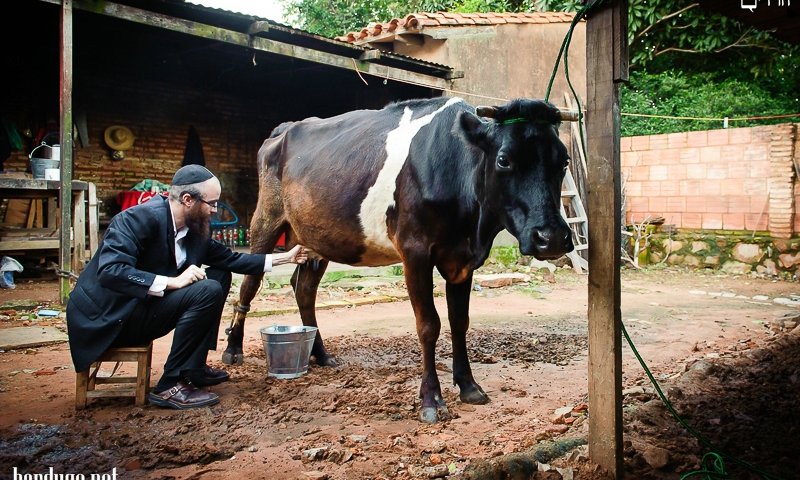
pixel 26 337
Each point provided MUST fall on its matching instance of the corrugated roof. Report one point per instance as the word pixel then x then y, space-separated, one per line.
pixel 241 22
pixel 415 23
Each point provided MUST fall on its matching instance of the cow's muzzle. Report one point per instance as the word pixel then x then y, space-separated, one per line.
pixel 547 243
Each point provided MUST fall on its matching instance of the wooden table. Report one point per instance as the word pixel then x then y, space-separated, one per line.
pixel 47 237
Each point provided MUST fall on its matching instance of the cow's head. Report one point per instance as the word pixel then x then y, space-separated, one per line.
pixel 525 163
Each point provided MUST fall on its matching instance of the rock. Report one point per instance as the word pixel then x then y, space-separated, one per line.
pixel 557 429
pixel 736 268
pixel 760 298
pixel 747 252
pixel 358 438
pixel 395 379
pixel 692 261
pixel 767 268
pixel 314 454
pixel 672 245
pixel 438 446
pixel 698 246
pixel 133 464
pixel 497 280
pixel 542 264
pixel 788 260
pixel 786 301
pixel 656 457
pixel 340 456
pixel 437 471
pixel 566 473
pixel 435 459
pixel 314 475
pixel 402 441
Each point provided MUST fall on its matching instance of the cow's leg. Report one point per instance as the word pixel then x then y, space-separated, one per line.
pixel 263 238
pixel 305 282
pixel 458 314
pixel 419 281
pixel 234 353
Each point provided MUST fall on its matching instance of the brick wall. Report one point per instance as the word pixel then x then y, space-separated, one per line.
pixel 729 179
pixel 230 128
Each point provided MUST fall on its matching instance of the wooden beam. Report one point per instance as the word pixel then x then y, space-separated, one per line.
pixel 65 192
pixel 28 244
pixel 210 32
pixel 603 63
pixel 370 55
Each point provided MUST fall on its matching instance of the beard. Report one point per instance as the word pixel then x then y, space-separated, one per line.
pixel 198 222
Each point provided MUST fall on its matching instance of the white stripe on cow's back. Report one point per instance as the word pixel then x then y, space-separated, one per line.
pixel 381 195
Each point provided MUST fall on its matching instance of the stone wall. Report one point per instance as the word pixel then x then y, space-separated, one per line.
pixel 731 253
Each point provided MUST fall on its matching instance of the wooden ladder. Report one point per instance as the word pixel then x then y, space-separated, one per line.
pixel 579 224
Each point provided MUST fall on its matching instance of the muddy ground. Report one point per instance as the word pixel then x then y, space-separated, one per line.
pixel 726 360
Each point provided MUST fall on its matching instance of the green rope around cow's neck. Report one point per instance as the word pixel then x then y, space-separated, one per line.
pixel 514 120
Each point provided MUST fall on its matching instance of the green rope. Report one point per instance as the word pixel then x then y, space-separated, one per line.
pixel 579 15
pixel 717 468
pixel 514 120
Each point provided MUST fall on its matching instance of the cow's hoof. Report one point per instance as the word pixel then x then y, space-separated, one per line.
pixel 428 415
pixel 474 396
pixel 229 358
pixel 326 361
pixel 434 414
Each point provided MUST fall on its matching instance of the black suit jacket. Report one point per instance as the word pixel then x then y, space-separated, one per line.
pixel 138 245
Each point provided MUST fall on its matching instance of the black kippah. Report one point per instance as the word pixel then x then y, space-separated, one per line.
pixel 191 174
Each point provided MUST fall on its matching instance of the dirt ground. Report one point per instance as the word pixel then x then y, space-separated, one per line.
pixel 728 363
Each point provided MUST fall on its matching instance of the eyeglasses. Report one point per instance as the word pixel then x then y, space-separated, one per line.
pixel 214 204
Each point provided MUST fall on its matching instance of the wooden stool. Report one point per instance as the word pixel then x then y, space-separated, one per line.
pixel 86 381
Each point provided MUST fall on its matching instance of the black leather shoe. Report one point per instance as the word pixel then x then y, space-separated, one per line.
pixel 207 376
pixel 183 396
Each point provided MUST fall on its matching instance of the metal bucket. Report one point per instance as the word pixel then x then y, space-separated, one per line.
pixel 288 349
pixel 46 157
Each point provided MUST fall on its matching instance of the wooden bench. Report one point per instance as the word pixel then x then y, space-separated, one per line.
pixel 88 379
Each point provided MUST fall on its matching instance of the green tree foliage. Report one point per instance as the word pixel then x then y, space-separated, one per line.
pixel 674 93
pixel 684 60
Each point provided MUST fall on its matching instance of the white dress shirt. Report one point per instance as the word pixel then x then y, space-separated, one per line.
pixel 160 282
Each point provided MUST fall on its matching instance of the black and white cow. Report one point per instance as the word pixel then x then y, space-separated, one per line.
pixel 428 183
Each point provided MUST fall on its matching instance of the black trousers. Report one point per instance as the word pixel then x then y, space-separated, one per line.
pixel 193 312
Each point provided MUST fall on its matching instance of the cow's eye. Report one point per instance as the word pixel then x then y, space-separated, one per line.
pixel 503 164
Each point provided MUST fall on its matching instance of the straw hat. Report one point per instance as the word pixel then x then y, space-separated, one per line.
pixel 118 137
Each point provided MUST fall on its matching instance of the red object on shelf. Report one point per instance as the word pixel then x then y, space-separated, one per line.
pixel 130 198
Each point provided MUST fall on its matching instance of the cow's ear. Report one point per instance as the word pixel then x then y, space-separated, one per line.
pixel 473 128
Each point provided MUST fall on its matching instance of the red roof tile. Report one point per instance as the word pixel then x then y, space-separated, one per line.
pixel 417 22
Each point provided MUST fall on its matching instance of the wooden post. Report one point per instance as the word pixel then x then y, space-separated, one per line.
pixel 65 194
pixel 606 45
pixel 78 231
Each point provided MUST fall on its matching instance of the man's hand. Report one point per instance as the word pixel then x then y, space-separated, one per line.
pixel 189 276
pixel 298 254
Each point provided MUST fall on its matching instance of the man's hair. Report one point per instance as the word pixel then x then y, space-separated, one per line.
pixel 177 191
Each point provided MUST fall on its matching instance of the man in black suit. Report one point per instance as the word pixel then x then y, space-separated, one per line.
pixel 146 279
